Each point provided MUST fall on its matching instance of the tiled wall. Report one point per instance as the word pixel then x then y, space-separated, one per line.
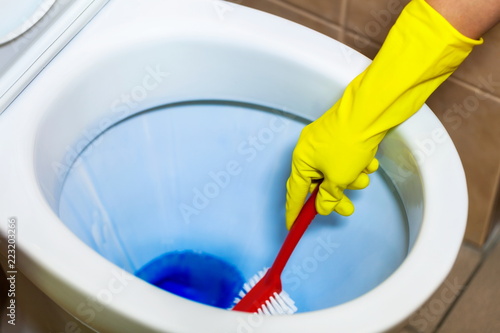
pixel 468 103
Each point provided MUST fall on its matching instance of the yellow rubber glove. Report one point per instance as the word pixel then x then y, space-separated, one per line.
pixel 421 51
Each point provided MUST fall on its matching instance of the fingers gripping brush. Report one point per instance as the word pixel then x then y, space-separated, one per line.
pixel 264 293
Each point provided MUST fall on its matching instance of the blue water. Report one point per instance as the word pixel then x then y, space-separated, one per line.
pixel 210 178
pixel 200 277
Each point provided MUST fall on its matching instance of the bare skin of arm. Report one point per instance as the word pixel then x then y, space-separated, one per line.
pixel 472 18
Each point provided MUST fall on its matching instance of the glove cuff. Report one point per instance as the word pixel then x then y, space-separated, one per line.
pixel 421 51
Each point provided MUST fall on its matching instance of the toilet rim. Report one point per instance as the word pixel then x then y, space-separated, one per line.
pixel 38 224
pixel 52 236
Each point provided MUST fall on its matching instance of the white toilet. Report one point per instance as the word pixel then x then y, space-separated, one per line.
pixel 168 125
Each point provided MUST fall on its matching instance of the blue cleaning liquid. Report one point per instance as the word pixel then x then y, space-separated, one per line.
pixel 210 177
pixel 199 277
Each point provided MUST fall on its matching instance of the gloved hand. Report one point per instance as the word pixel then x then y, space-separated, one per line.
pixel 421 51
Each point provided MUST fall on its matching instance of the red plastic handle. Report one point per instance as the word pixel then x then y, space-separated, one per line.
pixel 271 282
pixel 303 220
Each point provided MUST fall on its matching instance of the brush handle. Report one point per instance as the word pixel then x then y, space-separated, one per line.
pixel 262 293
pixel 305 217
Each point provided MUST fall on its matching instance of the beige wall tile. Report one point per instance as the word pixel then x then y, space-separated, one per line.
pixel 482 67
pixel 295 14
pixel 478 309
pixel 373 19
pixel 327 9
pixel 473 121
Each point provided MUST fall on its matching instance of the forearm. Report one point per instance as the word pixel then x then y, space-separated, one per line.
pixel 471 17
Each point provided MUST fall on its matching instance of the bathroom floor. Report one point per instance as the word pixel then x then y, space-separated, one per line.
pixel 469 299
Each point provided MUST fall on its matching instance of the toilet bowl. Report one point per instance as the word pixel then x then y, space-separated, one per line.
pixel 168 125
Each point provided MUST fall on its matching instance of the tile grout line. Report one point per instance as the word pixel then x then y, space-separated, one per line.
pixel 343 20
pixel 494 217
pixel 452 306
pixel 493 240
pixel 484 255
pixel 410 328
pixel 305 13
pixel 474 88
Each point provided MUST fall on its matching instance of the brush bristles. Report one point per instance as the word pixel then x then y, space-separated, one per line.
pixel 277 304
pixel 280 303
